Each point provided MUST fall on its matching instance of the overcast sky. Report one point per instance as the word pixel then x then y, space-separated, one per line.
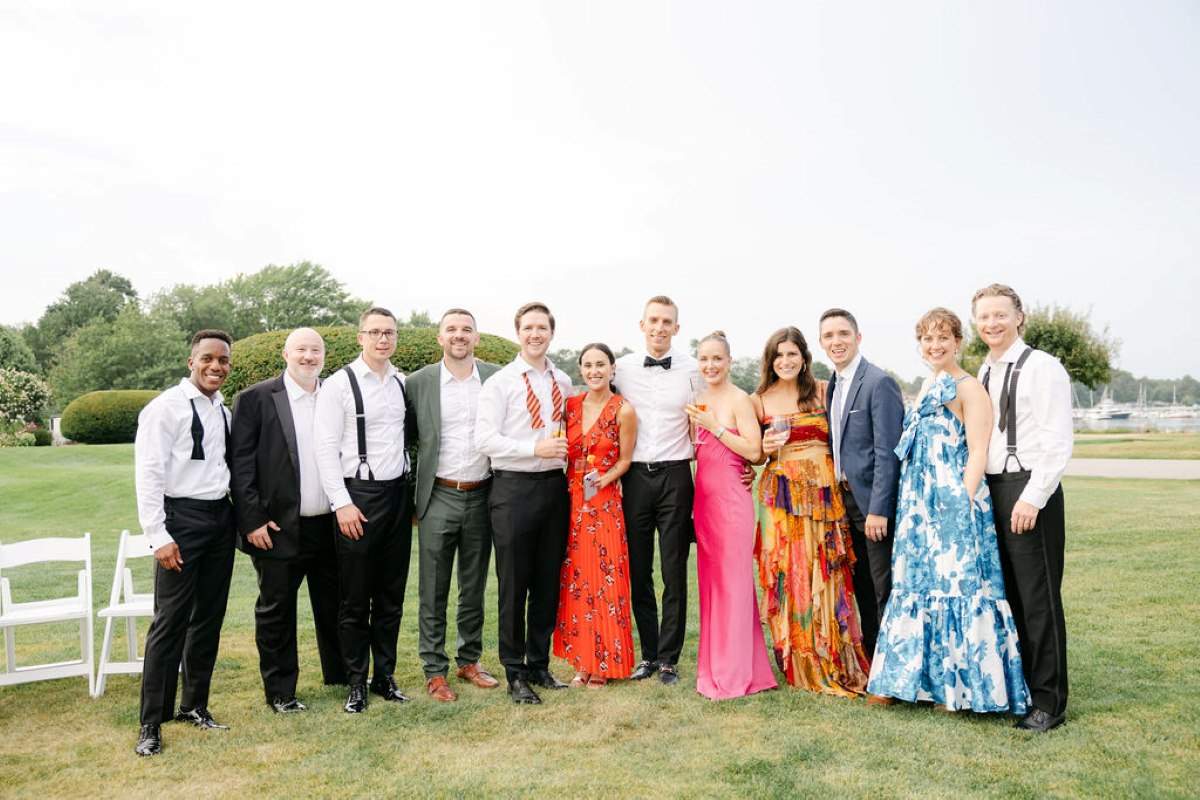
pixel 757 161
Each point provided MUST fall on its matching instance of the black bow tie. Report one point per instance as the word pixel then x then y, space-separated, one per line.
pixel 665 363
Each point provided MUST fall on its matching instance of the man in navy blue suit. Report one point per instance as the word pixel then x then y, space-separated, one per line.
pixel 866 414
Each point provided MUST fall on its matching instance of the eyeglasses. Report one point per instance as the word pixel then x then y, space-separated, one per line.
pixel 375 334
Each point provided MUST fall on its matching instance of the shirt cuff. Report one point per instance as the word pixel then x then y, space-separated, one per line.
pixel 340 499
pixel 158 539
pixel 1036 496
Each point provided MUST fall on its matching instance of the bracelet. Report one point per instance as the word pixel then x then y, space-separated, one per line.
pixel 719 432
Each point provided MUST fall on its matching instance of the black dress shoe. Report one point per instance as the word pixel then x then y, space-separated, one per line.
pixel 289 706
pixel 149 741
pixel 643 670
pixel 388 690
pixel 356 703
pixel 543 678
pixel 1039 721
pixel 667 674
pixel 522 692
pixel 200 717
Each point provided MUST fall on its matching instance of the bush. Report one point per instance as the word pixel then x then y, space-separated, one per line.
pixel 16 436
pixel 257 358
pixel 23 397
pixel 108 417
pixel 42 437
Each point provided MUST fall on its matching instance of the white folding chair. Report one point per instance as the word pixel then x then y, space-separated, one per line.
pixel 74 607
pixel 124 603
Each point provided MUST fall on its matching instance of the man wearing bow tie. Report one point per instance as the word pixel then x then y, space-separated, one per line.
pixel 657 490
pixel 181 475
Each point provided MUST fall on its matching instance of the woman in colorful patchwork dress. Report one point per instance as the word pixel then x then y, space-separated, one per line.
pixel 593 632
pixel 803 543
pixel 947 636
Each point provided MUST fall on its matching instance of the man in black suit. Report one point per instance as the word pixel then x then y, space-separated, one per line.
pixel 284 519
pixel 866 414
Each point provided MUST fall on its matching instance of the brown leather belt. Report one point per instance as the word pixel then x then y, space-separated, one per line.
pixel 463 486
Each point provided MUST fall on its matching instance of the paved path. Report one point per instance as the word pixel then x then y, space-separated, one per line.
pixel 1184 469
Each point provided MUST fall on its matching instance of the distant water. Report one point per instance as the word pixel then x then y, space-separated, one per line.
pixel 1139 424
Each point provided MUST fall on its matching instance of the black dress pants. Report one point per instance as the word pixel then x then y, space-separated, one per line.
pixel 373 572
pixel 189 608
pixel 872 571
pixel 658 497
pixel 530 514
pixel 1033 571
pixel 279 581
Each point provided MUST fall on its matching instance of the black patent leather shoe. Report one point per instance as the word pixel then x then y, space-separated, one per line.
pixel 356 702
pixel 388 690
pixel 667 674
pixel 287 706
pixel 1039 721
pixel 543 678
pixel 200 717
pixel 643 670
pixel 522 692
pixel 149 741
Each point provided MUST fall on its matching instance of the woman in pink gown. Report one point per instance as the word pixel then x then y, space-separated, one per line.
pixel 733 660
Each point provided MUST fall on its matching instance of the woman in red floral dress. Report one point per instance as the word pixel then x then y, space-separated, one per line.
pixel 594 632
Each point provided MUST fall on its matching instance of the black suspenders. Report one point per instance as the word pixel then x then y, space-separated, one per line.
pixel 360 419
pixel 1008 406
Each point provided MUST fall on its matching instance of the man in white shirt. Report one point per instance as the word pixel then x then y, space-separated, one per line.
pixel 182 484
pixel 657 491
pixel 1030 446
pixel 453 484
pixel 520 425
pixel 284 520
pixel 360 421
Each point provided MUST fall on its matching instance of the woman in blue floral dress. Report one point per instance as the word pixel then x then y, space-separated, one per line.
pixel 948 635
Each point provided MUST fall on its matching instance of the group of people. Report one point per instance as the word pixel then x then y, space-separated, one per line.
pixel 910 557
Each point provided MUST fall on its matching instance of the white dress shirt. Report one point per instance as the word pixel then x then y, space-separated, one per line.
pixel 162 455
pixel 659 397
pixel 1045 432
pixel 336 429
pixel 837 411
pixel 313 500
pixel 503 428
pixel 458 457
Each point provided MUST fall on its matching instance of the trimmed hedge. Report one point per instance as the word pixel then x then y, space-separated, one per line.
pixel 257 358
pixel 107 417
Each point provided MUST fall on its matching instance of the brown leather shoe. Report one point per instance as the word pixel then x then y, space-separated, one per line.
pixel 881 700
pixel 478 676
pixel 440 690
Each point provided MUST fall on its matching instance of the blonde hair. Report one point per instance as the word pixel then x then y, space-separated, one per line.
pixel 1001 290
pixel 940 318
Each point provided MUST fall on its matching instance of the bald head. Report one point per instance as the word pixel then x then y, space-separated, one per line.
pixel 304 352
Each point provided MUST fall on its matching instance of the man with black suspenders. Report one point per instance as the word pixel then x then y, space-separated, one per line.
pixel 359 426
pixel 1031 444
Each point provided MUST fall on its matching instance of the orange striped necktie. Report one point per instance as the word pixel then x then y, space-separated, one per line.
pixel 535 406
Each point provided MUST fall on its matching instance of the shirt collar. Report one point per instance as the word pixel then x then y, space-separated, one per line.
pixel 522 366
pixel 190 392
pixel 1010 355
pixel 448 376
pixel 847 374
pixel 295 391
pixel 362 369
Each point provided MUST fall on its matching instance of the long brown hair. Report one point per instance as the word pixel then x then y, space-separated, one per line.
pixel 806 399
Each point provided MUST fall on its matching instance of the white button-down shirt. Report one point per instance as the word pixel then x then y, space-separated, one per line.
pixel 336 429
pixel 659 397
pixel 458 457
pixel 313 500
pixel 1045 432
pixel 837 411
pixel 162 455
pixel 503 428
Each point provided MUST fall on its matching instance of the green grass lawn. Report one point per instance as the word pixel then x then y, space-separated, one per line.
pixel 1133 729
pixel 1137 445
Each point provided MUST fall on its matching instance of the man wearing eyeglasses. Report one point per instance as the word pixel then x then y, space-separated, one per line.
pixel 360 440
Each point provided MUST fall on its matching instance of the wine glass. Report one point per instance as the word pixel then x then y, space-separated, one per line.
pixel 781 427
pixel 697 387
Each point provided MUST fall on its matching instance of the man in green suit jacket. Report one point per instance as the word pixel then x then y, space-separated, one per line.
pixel 453 482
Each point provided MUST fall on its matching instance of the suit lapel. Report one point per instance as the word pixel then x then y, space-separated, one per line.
pixel 433 406
pixel 860 375
pixel 287 423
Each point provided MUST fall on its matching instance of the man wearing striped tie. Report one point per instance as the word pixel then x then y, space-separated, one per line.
pixel 520 425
